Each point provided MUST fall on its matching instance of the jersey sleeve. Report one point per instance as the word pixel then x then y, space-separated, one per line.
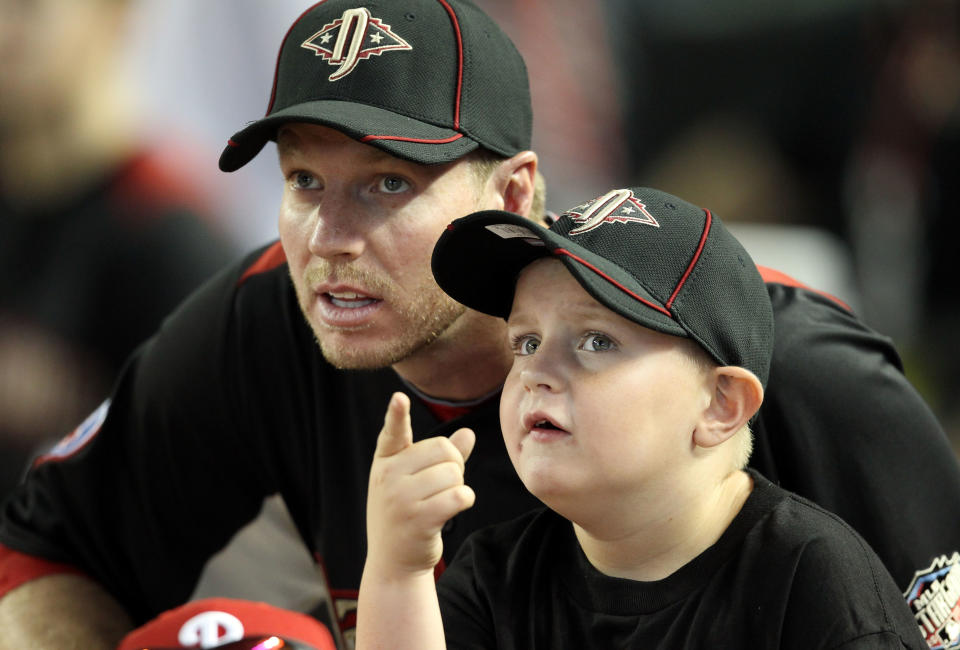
pixel 114 499
pixel 842 426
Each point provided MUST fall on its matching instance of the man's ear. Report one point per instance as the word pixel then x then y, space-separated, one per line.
pixel 515 182
pixel 737 395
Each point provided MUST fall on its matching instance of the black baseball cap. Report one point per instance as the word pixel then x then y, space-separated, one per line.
pixel 425 80
pixel 651 257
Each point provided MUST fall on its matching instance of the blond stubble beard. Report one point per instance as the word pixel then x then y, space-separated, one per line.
pixel 422 320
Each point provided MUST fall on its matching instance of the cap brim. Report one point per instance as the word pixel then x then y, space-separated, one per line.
pixel 478 258
pixel 396 134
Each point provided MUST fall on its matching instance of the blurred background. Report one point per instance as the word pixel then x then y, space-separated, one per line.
pixel 825 132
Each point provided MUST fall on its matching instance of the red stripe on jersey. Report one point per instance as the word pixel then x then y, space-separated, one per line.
pixel 17 568
pixel 773 276
pixel 270 259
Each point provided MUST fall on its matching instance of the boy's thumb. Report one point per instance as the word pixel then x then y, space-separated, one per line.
pixel 464 440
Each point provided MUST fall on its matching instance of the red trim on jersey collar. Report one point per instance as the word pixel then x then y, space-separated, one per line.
pixel 772 276
pixel 271 258
pixel 446 412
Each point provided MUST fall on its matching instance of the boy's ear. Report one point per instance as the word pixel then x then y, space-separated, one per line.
pixel 737 395
pixel 515 182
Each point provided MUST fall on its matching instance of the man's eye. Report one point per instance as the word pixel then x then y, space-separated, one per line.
pixel 525 345
pixel 305 181
pixel 596 342
pixel 393 184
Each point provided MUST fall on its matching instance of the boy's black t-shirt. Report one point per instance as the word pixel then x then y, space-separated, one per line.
pixel 784 575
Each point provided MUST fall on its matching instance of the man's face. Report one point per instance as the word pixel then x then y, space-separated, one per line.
pixel 358 227
pixel 595 406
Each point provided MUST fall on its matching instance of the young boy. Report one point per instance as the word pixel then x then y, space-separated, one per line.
pixel 642 335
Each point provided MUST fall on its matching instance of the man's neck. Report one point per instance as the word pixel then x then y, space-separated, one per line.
pixel 673 531
pixel 468 361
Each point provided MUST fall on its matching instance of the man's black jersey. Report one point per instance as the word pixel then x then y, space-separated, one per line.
pixel 784 575
pixel 232 401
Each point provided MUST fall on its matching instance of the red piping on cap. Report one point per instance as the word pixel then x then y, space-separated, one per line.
pixel 367 138
pixel 456 30
pixel 693 262
pixel 563 251
pixel 276 68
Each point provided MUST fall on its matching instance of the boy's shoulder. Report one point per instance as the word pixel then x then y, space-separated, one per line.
pixel 812 564
pixel 784 519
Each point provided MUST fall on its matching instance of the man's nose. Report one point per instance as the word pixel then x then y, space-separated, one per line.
pixel 337 233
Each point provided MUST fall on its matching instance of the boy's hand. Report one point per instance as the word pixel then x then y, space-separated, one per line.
pixel 414 489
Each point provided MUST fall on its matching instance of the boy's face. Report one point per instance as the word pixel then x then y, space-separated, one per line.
pixel 595 406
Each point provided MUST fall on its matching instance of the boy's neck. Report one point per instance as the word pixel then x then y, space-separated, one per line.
pixel 667 537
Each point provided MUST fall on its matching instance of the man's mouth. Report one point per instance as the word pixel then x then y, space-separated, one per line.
pixel 349 299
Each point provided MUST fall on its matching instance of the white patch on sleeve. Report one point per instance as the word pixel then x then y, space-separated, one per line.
pixel 934 599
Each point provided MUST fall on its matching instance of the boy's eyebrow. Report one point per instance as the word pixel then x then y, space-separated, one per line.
pixel 585 306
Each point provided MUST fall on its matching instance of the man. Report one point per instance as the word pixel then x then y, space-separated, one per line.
pixel 392 119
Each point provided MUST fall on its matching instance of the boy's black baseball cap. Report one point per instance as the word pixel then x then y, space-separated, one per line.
pixel 424 80
pixel 651 257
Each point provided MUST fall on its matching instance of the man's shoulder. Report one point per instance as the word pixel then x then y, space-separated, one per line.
pixel 781 286
pixel 815 332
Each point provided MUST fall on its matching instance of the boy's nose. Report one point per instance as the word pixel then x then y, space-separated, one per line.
pixel 542 372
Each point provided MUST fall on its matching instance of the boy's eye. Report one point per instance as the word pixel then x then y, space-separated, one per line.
pixel 393 184
pixel 525 345
pixel 596 342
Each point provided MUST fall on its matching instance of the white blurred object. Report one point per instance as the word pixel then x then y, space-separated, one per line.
pixel 808 254
pixel 204 70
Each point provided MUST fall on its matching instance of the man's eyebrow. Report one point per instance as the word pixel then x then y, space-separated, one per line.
pixel 287 143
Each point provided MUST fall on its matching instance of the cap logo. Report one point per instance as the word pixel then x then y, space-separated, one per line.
pixel 356 35
pixel 615 206
pixel 210 629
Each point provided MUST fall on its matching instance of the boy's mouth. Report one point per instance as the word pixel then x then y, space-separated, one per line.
pixel 533 422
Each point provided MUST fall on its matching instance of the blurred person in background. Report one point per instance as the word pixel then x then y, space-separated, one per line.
pixel 102 232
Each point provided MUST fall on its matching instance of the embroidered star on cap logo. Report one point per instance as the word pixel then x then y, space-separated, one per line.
pixel 616 205
pixel 354 36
